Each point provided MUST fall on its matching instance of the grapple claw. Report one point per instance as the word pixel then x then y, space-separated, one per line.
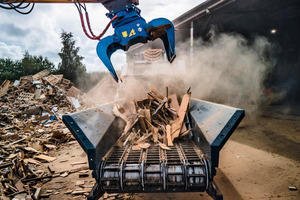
pixel 105 48
pixel 164 29
pixel 130 29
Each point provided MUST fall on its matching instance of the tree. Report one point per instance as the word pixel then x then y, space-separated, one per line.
pixel 9 69
pixel 28 65
pixel 34 64
pixel 71 66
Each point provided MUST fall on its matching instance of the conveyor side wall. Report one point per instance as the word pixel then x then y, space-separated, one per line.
pixel 212 125
pixel 96 130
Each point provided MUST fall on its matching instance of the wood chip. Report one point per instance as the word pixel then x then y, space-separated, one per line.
pixel 78 183
pixel 77 192
pixel 135 147
pixel 50 146
pixel 32 161
pixel 68 191
pixel 19 185
pixel 144 145
pixel 292 188
pixel 78 163
pixel 11 156
pixel 141 146
pixel 30 149
pixel 185 133
pixel 163 146
pixel 37 193
pixel 65 174
pixel 45 158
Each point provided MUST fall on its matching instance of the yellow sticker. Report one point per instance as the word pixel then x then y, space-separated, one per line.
pixel 125 34
pixel 132 32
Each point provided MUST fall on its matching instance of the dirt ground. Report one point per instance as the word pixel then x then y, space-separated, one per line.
pixel 260 161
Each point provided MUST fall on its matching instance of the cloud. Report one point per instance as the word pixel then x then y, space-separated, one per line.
pixel 10 51
pixel 39 32
pixel 12 30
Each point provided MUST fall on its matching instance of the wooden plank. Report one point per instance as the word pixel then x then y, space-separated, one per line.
pixel 169 137
pixel 184 105
pixel 144 138
pixel 174 103
pixel 37 193
pixel 175 106
pixel 4 88
pixel 147 115
pixel 135 147
pixel 165 138
pixel 144 145
pixel 178 123
pixel 155 135
pixel 45 158
pixel 185 133
pixel 163 146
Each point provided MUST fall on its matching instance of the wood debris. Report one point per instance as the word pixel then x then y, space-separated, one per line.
pixel 30 128
pixel 156 119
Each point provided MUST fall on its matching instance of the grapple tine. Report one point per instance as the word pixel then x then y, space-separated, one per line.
pixel 105 48
pixel 167 35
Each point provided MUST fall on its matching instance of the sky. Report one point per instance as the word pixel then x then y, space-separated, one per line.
pixel 39 32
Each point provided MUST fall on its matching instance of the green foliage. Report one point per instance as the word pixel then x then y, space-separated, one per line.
pixel 33 64
pixel 71 66
pixel 28 65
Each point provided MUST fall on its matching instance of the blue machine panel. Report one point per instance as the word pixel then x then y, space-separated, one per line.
pixel 96 130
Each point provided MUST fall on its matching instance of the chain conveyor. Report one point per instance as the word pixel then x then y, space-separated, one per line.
pixel 182 168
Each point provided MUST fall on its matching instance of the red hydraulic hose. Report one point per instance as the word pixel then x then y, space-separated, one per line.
pixel 92 36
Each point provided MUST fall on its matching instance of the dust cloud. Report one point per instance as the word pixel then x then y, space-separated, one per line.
pixel 227 69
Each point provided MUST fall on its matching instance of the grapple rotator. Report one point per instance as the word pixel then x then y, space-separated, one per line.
pixel 130 28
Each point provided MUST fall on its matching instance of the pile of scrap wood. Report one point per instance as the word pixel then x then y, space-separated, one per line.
pixel 31 128
pixel 156 119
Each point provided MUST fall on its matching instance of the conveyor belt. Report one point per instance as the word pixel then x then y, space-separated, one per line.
pixel 182 168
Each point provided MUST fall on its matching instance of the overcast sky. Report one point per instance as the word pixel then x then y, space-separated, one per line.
pixel 39 32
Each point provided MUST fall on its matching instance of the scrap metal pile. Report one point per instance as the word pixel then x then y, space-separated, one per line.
pixel 31 129
pixel 156 119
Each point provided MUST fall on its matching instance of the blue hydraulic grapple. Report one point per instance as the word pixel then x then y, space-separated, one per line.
pixel 130 28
